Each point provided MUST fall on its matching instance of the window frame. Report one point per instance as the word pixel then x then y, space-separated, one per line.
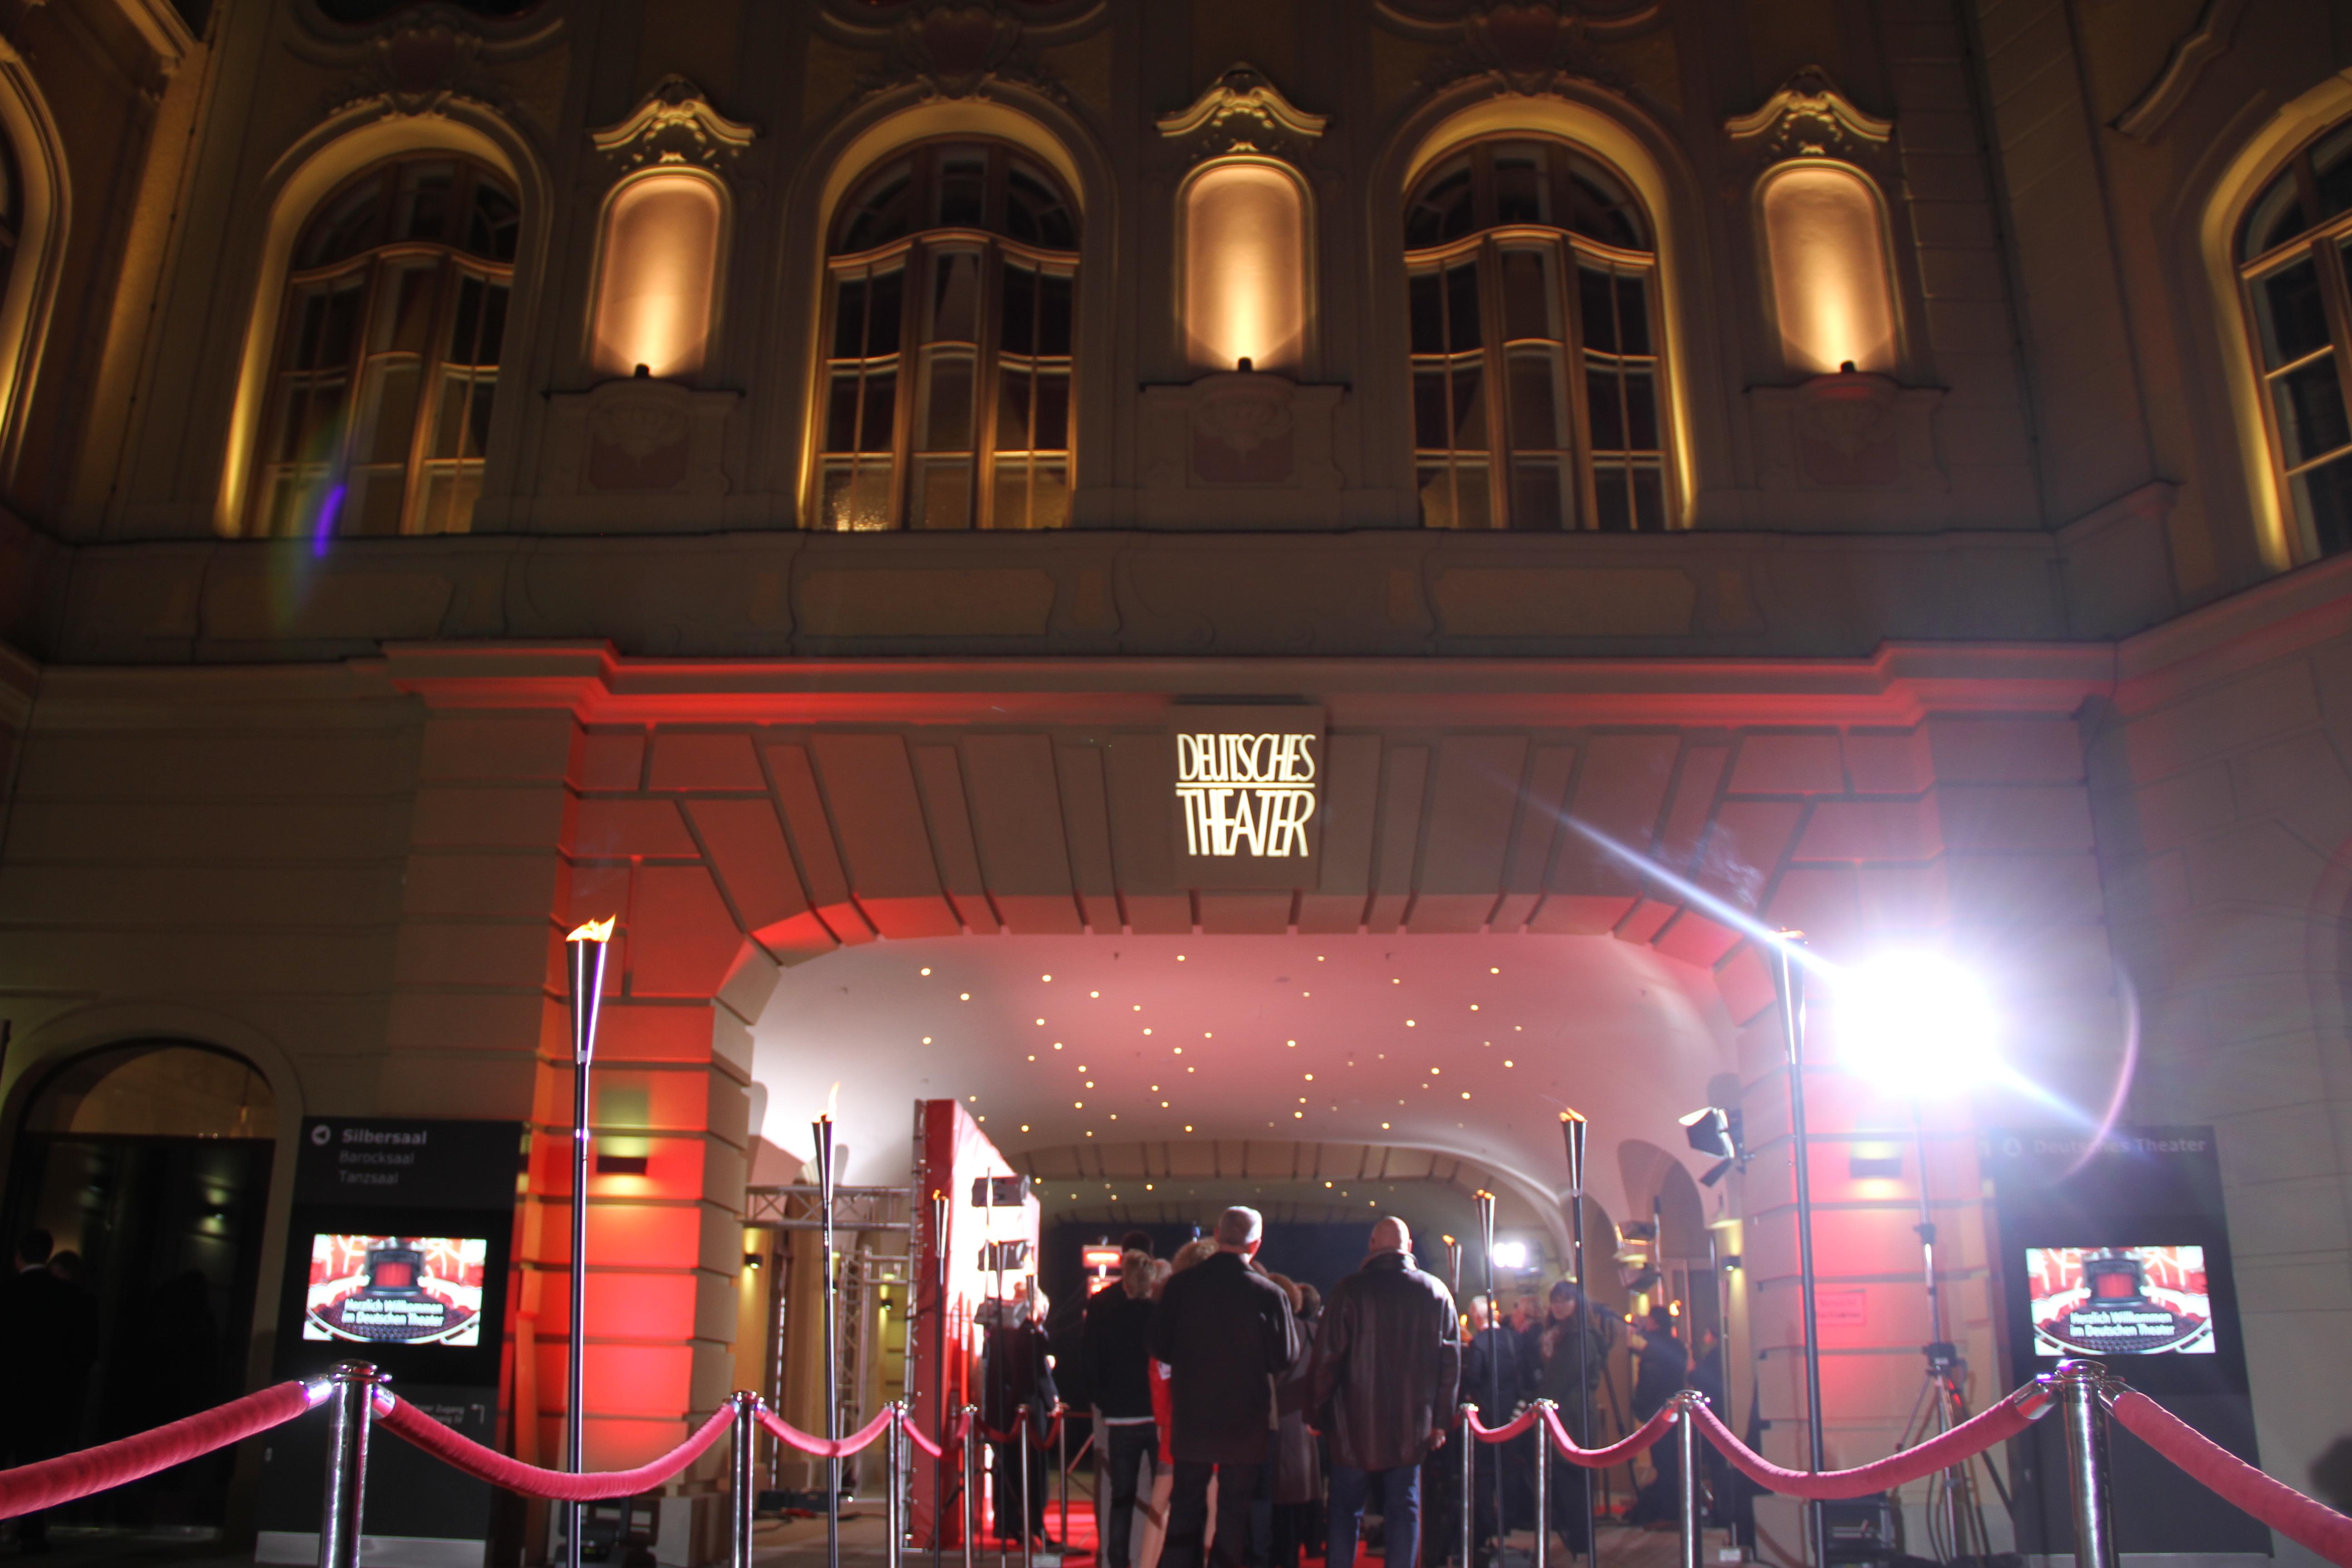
pixel 2326 244
pixel 915 255
pixel 1484 244
pixel 377 268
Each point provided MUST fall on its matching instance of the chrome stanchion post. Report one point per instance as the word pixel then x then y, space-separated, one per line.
pixel 895 1516
pixel 347 1445
pixel 2080 1385
pixel 1021 1446
pixel 743 1475
pixel 1686 1406
pixel 1469 1479
pixel 1062 1466
pixel 1543 1483
pixel 971 1449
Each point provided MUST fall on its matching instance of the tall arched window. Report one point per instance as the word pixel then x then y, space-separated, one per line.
pixel 2291 252
pixel 1537 373
pixel 387 354
pixel 953 275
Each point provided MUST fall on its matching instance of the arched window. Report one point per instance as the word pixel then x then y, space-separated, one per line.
pixel 954 273
pixel 1537 370
pixel 1832 287
pixel 387 354
pixel 2292 249
pixel 1245 267
pixel 657 275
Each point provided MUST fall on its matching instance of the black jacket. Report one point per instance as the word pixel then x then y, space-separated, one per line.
pixel 1659 1372
pixel 1388 1363
pixel 1013 1373
pixel 1115 1352
pixel 1225 1332
pixel 1498 1374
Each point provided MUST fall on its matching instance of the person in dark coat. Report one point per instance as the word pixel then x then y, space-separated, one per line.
pixel 1661 1370
pixel 1706 1376
pixel 48 1327
pixel 1572 1346
pixel 1013 1373
pixel 1387 1364
pixel 1299 1454
pixel 1498 1376
pixel 1115 1349
pixel 1225 1332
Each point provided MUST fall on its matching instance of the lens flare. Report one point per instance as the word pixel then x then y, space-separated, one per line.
pixel 1916 1023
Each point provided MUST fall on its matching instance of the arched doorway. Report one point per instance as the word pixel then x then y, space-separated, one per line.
pixel 148 1164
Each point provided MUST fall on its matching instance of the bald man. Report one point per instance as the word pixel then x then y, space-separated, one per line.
pixel 1387 1365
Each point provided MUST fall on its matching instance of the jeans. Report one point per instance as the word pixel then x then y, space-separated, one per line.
pixel 1399 1513
pixel 1130 1450
pixel 1188 1514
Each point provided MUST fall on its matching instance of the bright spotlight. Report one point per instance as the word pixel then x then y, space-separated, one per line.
pixel 1510 1254
pixel 1916 1023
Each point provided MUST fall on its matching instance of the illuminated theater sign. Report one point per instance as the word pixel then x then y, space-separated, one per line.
pixel 1249 793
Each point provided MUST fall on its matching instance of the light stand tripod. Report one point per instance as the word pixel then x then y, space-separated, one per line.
pixel 1956 1523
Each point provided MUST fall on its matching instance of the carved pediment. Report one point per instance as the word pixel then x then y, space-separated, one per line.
pixel 674 124
pixel 1810 118
pixel 1534 47
pixel 423 57
pixel 1241 111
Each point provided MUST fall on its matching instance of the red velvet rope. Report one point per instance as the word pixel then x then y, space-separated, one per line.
pixel 1044 1441
pixel 1962 1443
pixel 1506 1431
pixel 46 1483
pixel 462 1453
pixel 2275 1503
pixel 824 1448
pixel 936 1450
pixel 1617 1453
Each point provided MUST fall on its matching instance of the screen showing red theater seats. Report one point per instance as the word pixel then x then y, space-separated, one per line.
pixel 396 1290
pixel 2119 1300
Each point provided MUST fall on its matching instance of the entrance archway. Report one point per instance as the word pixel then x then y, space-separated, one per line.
pixel 148 1165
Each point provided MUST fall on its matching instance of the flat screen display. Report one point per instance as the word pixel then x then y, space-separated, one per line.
pixel 396 1290
pixel 2119 1300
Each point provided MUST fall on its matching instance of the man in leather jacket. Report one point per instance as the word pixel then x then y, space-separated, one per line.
pixel 1387 1364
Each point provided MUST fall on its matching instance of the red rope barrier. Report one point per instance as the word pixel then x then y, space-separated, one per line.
pixel 1506 1431
pixel 2276 1504
pixel 1962 1443
pixel 936 1450
pixel 463 1454
pixel 1642 1438
pixel 46 1483
pixel 823 1448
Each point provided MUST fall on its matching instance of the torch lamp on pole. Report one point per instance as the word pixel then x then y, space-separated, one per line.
pixel 824 1180
pixel 1788 981
pixel 940 1334
pixel 1494 1414
pixel 585 949
pixel 1572 1131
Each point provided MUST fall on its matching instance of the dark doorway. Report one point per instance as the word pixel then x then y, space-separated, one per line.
pixel 149 1166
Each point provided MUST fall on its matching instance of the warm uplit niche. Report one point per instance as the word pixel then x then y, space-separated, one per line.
pixel 658 275
pixel 1829 275
pixel 1244 268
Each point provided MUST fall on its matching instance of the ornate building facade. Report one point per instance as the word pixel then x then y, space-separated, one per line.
pixel 779 470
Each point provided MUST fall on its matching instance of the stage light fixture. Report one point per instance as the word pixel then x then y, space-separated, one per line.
pixel 1712 1130
pixel 1917 1023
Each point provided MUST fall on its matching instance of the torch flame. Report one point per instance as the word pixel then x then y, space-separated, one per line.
pixel 833 1099
pixel 1572 1115
pixel 594 930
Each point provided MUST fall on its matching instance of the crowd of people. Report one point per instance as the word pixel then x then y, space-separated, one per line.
pixel 1241 1419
